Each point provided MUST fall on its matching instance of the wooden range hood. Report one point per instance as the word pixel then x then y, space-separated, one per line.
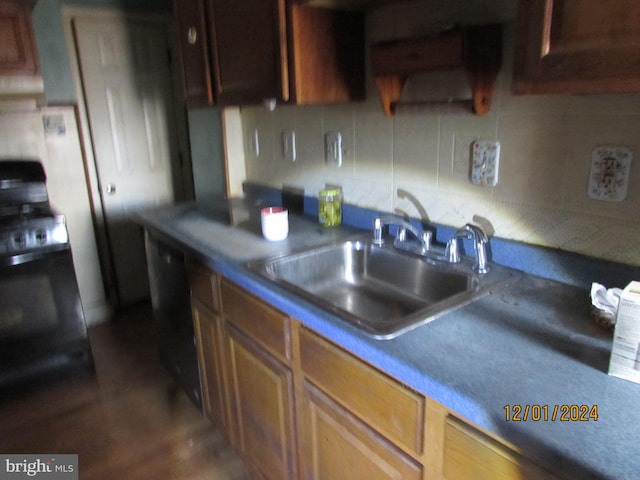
pixel 476 49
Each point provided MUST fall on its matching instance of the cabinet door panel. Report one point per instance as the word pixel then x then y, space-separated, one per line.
pixel 249 45
pixel 581 46
pixel 204 285
pixel 397 412
pixel 262 390
pixel 339 446
pixel 267 326
pixel 328 60
pixel 208 343
pixel 470 454
pixel 17 45
pixel 194 54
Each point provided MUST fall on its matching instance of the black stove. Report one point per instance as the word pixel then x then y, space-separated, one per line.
pixel 27 222
pixel 43 335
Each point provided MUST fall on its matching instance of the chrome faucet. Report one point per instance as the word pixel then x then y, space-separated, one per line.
pixel 480 242
pixel 422 237
pixel 423 242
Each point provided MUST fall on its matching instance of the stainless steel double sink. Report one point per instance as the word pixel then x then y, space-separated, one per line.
pixel 380 290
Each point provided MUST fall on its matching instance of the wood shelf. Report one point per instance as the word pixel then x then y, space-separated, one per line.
pixel 475 49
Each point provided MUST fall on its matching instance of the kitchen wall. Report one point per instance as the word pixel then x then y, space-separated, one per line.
pixel 417 163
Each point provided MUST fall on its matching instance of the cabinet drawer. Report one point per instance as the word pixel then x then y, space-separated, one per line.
pixel 266 325
pixel 339 445
pixel 469 453
pixel 204 285
pixel 386 405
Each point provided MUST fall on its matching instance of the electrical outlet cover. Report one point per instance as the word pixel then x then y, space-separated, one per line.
pixel 609 174
pixel 485 158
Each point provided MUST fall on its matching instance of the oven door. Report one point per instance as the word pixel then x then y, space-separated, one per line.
pixel 41 319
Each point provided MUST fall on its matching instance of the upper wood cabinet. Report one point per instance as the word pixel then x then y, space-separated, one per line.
pixel 327 55
pixel 256 50
pixel 17 44
pixel 577 46
pixel 249 46
pixel 191 27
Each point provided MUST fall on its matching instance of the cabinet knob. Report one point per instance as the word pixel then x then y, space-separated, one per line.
pixel 192 35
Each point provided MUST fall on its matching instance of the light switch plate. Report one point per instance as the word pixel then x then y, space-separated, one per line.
pixel 609 176
pixel 254 142
pixel 485 159
pixel 333 148
pixel 289 145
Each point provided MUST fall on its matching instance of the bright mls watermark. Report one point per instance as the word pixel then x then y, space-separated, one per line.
pixel 49 466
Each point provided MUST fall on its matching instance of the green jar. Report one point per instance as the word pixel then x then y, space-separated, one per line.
pixel 330 207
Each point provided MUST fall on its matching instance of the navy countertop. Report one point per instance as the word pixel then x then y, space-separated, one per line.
pixel 533 343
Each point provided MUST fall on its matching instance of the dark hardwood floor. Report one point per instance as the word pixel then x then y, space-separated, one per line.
pixel 129 421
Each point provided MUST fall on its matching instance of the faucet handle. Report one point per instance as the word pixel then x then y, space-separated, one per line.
pixel 377 231
pixel 452 250
pixel 427 237
pixel 478 233
pixel 480 241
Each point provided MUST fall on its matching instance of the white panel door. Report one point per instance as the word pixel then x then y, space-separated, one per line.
pixel 127 83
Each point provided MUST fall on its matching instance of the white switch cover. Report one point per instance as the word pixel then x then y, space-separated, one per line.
pixel 485 159
pixel 609 174
pixel 254 141
pixel 289 145
pixel 333 148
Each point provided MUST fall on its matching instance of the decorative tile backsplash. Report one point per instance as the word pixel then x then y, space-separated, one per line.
pixel 418 162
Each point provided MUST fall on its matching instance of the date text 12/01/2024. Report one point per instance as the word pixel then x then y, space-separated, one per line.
pixel 551 413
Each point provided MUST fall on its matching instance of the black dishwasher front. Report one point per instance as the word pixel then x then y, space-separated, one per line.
pixel 170 298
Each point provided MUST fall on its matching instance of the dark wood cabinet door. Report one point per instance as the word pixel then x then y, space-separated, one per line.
pixel 193 47
pixel 249 45
pixel 17 45
pixel 577 46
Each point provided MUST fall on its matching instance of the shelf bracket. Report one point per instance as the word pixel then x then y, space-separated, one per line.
pixel 475 49
pixel 390 88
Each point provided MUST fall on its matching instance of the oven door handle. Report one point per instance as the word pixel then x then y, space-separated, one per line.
pixel 32 256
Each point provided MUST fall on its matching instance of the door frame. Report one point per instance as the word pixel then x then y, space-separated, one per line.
pixel 183 187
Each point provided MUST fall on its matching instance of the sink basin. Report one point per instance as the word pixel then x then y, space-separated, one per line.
pixel 378 289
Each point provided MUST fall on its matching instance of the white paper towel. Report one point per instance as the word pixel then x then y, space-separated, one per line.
pixel 605 304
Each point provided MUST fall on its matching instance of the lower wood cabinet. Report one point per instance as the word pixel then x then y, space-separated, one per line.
pixel 338 445
pixel 207 327
pixel 298 407
pixel 468 453
pixel 262 396
pixel 208 334
pixel 389 407
pixel 260 383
